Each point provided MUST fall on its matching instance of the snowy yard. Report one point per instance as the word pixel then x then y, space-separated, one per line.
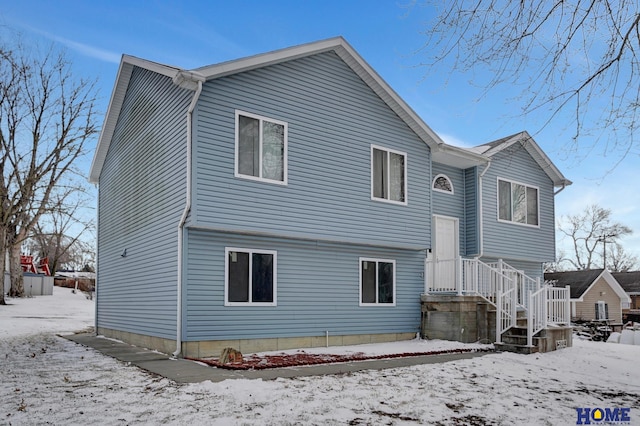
pixel 49 380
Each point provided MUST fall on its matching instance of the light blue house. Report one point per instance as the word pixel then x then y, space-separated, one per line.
pixel 293 199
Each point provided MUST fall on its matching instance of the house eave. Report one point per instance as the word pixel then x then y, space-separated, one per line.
pixel 545 163
pixel 127 64
pixel 348 54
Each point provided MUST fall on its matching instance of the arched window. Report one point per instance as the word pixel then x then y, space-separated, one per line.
pixel 442 183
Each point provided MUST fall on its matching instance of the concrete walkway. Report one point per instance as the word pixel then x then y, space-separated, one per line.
pixel 184 371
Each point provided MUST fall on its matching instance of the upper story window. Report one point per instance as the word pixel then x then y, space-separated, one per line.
pixel 442 183
pixel 388 175
pixel 261 148
pixel 518 203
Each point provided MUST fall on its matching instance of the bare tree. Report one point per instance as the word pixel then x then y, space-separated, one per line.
pixel 579 56
pixel 590 232
pixel 618 260
pixel 46 116
pixel 58 234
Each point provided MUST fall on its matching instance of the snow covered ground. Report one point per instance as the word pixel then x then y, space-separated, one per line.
pixel 45 379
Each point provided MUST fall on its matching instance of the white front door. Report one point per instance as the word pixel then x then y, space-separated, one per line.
pixel 446 252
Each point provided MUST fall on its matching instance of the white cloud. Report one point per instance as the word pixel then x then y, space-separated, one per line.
pixel 91 51
pixel 452 140
pixel 84 49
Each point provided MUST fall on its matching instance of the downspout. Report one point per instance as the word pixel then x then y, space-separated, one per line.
pixel 564 185
pixel 95 280
pixel 185 80
pixel 480 212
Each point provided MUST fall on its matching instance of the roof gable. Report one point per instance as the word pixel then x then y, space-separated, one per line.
pixel 529 144
pixel 441 152
pixel 581 282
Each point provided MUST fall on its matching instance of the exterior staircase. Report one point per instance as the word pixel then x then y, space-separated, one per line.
pixel 515 338
pixel 525 315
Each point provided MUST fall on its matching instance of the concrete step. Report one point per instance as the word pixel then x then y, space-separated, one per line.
pixel 518 339
pixel 519 349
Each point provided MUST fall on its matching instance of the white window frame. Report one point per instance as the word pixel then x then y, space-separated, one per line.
pixel 433 183
pixel 250 251
pixel 604 309
pixel 513 182
pixel 375 259
pixel 261 119
pixel 406 175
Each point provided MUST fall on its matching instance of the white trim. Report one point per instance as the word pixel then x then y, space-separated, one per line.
pixel 285 158
pixel 376 260
pixel 512 182
pixel 406 174
pixel 536 153
pixel 445 154
pixel 442 175
pixel 226 276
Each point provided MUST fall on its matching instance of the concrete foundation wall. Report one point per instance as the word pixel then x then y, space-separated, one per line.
pixel 213 348
pixel 555 338
pixel 466 319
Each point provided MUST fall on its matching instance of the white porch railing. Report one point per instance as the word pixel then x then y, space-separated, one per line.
pixel 505 287
pixel 524 283
pixel 549 305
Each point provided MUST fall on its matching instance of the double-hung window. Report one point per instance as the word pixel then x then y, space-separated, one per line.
pixel 261 148
pixel 518 203
pixel 377 282
pixel 388 175
pixel 602 310
pixel 250 277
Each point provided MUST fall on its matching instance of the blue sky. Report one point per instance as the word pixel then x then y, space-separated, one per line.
pixel 387 34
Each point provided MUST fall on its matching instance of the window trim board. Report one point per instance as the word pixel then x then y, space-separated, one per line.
pixel 250 251
pixel 285 159
pixel 433 183
pixel 406 175
pixel 375 259
pixel 511 182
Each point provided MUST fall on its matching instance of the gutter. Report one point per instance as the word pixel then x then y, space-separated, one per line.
pixel 191 81
pixel 564 185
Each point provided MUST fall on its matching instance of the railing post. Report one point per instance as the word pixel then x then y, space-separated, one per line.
pixel 567 304
pixel 458 278
pixel 434 266
pixel 425 275
pixel 545 312
pixel 530 318
pixel 498 313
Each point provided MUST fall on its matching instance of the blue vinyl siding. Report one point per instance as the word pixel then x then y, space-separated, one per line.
pixel 141 197
pixel 511 240
pixel 472 226
pixel 333 119
pixel 317 291
pixel 531 269
pixel 452 205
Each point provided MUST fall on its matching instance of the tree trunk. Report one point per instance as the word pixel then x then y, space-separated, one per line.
pixel 3 258
pixel 15 269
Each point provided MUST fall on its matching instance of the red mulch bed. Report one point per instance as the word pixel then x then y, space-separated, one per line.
pixel 261 362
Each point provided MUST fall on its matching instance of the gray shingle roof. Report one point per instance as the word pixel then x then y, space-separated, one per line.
pixel 629 281
pixel 578 281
